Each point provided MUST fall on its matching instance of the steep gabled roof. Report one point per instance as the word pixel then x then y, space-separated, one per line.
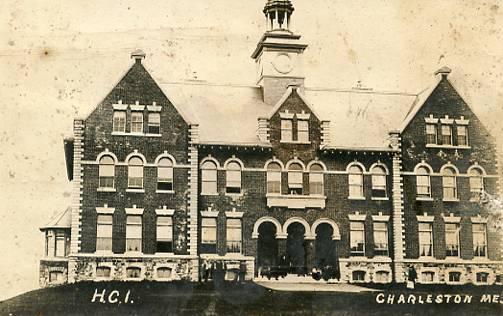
pixel 62 220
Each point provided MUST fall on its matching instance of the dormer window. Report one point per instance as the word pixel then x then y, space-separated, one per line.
pixel 303 131
pixel 286 130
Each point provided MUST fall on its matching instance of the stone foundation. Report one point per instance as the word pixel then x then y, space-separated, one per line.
pixel 53 272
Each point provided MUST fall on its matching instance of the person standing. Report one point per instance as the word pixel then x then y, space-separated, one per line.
pixel 412 276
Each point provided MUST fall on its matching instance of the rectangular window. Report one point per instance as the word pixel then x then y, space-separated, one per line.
pixel 104 232
pixel 451 240
pixel 234 235
pixel 165 177
pixel 431 133
pixel 274 182
pixel 303 131
pixel 103 272
pixel 286 130
pixel 380 239
pixel 164 234
pixel 233 178
pixel 379 185
pixel 357 238
pixel 209 181
pixel 56 277
pixel 133 233
pixel 355 185
pixel 479 240
pixel 119 121
pixel 316 183
pixel 449 187
pixel 154 123
pixel 136 122
pixel 425 239
pixel 49 243
pixel 60 244
pixel 209 235
pixel 423 185
pixel 462 135
pixel 446 134
pixel 295 183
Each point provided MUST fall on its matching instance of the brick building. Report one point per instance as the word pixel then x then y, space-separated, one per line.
pixel 169 179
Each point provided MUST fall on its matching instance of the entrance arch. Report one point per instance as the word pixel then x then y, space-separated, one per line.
pixel 325 247
pixel 267 245
pixel 296 248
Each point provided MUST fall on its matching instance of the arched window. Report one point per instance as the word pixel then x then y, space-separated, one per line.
pixel 355 181
pixel 165 174
pixel 233 177
pixel 476 181
pixel 449 183
pixel 135 173
pixel 423 182
pixel 316 180
pixel 274 178
pixel 378 181
pixel 106 172
pixel 209 178
pixel 295 178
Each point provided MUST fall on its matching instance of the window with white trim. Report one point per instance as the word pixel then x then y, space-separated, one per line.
pixel 135 173
pixel 316 180
pixel 134 233
pixel 462 135
pixel 423 182
pixel 482 277
pixel 164 234
pixel 380 238
pixel 451 240
pixel 106 172
pixel 378 181
pixel 454 276
pixel 295 181
pixel 358 276
pixel 119 121
pixel 479 240
pixel 61 244
pixel 164 272
pixel 136 122
pixel 104 232
pixel 234 235
pixel 357 238
pixel 209 235
pixel 103 272
pixel 355 179
pixel 476 182
pixel 50 243
pixel 165 174
pixel 209 178
pixel 446 134
pixel 303 130
pixel 233 177
pixel 133 272
pixel 286 130
pixel 431 133
pixel 274 178
pixel 449 183
pixel 56 277
pixel 427 276
pixel 154 123
pixel 425 239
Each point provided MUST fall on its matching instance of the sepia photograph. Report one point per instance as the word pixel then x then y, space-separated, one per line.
pixel 265 157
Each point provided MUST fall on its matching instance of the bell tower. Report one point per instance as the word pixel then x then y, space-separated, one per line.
pixel 278 55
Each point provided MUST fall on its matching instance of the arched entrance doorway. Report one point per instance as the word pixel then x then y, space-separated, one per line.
pixel 325 248
pixel 267 247
pixel 295 248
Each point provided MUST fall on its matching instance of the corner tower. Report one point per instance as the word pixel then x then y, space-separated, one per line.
pixel 278 55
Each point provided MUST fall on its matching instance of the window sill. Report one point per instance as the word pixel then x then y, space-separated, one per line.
pixel 104 252
pixel 209 194
pixel 136 134
pixel 234 194
pixel 164 254
pixel 165 191
pixel 450 200
pixel 105 190
pixel 135 190
pixel 360 198
pixel 379 198
pixel 424 199
pixel 133 253
pixel 294 142
pixel 447 146
pixel 153 135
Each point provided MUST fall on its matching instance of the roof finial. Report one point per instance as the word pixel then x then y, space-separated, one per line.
pixel 444 71
pixel 278 14
pixel 138 55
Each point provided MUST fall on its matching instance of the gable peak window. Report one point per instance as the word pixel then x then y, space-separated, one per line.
pixel 302 131
pixel 154 123
pixel 209 178
pixel 446 134
pixel 233 177
pixel 431 133
pixel 423 182
pixel 378 181
pixel 119 121
pixel 136 122
pixel 449 183
pixel 274 178
pixel 286 130
pixel 355 181
pixel 135 173
pixel 316 180
pixel 165 174
pixel 295 174
pixel 462 135
pixel 106 172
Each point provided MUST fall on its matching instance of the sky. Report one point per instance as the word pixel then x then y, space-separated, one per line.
pixel 58 60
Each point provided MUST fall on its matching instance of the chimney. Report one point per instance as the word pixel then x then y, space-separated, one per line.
pixel 138 55
pixel 444 72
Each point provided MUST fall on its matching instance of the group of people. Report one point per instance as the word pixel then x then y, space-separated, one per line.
pixel 216 270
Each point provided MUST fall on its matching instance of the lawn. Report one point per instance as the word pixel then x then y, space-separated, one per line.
pixel 182 298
